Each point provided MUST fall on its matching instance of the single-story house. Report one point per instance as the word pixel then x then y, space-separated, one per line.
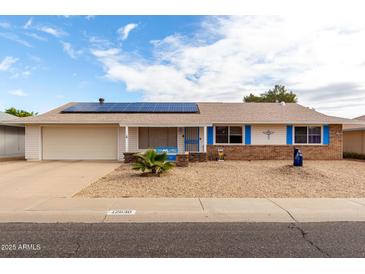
pixel 11 138
pixel 354 137
pixel 112 131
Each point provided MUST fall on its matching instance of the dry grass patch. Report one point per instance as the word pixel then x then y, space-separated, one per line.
pixel 237 179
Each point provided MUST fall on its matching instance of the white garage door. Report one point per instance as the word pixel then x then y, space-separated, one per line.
pixel 79 143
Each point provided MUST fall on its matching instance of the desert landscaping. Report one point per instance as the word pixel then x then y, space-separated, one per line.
pixel 237 179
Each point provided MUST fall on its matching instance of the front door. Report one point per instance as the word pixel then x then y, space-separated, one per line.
pixel 191 139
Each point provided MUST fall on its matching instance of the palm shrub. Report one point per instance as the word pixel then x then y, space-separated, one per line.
pixel 152 162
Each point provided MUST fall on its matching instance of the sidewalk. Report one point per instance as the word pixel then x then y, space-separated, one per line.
pixel 51 210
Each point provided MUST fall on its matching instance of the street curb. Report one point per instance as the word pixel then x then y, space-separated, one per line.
pixel 59 210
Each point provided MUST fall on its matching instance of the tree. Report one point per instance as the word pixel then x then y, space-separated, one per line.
pixel 20 112
pixel 278 94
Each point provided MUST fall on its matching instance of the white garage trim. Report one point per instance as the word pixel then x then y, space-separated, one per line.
pixel 33 143
pixel 79 142
pixel 118 143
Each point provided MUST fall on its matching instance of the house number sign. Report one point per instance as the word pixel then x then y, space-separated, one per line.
pixel 121 212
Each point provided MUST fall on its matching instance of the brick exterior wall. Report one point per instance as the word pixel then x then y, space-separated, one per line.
pixel 182 160
pixel 333 151
pixel 129 157
pixel 197 157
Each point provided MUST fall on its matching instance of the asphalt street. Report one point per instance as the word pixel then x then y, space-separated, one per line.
pixel 338 239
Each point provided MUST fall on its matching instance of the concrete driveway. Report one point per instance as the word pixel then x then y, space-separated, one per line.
pixel 49 179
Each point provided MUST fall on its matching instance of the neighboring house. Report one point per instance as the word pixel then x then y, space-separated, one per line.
pixel 109 131
pixel 11 138
pixel 354 137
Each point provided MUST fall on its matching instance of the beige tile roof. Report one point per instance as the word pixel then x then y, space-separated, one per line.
pixel 356 127
pixel 5 116
pixel 250 113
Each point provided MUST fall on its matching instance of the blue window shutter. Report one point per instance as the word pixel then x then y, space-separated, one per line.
pixel 289 135
pixel 210 136
pixel 248 134
pixel 326 135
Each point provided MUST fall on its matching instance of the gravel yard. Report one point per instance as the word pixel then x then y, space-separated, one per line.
pixel 316 179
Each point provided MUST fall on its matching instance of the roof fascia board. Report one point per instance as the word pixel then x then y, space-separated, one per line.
pixel 354 129
pixel 286 122
pixel 182 125
pixel 165 125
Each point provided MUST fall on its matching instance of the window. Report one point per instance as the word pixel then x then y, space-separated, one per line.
pixel 152 137
pixel 314 135
pixel 228 135
pixel 235 135
pixel 221 135
pixel 308 135
pixel 300 135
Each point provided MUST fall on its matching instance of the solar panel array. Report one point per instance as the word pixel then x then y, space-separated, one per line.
pixel 133 108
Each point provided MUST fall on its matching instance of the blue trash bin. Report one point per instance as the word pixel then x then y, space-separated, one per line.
pixel 298 157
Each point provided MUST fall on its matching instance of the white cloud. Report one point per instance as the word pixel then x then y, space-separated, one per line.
pixel 28 24
pixel 5 25
pixel 53 31
pixel 112 53
pixel 23 71
pixel 67 47
pixel 7 62
pixel 125 30
pixel 100 43
pixel 35 36
pixel 229 57
pixel 18 92
pixel 89 17
pixel 15 38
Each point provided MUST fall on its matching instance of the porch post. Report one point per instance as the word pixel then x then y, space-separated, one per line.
pixel 126 139
pixel 205 139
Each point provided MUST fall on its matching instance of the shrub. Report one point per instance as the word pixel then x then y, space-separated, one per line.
pixel 353 155
pixel 152 162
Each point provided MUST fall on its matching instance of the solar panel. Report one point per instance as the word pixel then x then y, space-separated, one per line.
pixel 133 108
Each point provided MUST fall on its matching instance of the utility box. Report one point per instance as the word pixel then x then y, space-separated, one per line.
pixel 298 157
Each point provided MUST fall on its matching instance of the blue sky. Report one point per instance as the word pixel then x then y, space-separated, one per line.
pixel 44 75
pixel 46 61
